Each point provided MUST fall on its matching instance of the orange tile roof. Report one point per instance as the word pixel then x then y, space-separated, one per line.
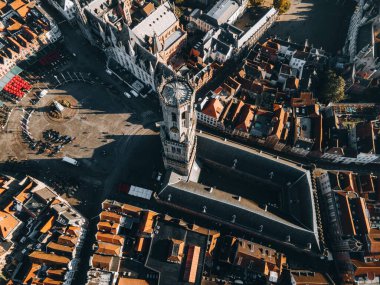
pixel 108 249
pixel 24 194
pixel 213 108
pixel 48 258
pixel 245 118
pixel 108 227
pixel 51 281
pixel 17 4
pixel 73 231
pixel 48 225
pixel 146 225
pixel 110 238
pixel 7 224
pixel 31 273
pixel 101 261
pixel 128 209
pixel 60 273
pixel 191 267
pixel 53 246
pixel 140 244
pixel 131 281
pixel 110 216
pixel 23 11
pixel 56 201
pixel 2 4
pixel 67 240
pixel 8 207
pixel 148 8
pixel 15 26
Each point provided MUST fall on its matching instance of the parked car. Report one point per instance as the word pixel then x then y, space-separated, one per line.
pixel 134 93
pixel 127 94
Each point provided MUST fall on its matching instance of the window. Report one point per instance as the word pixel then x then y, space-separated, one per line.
pixel 174 117
pixel 178 150
pixel 173 149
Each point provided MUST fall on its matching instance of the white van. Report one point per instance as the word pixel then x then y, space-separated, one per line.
pixel 70 161
pixel 109 72
pixel 43 93
pixel 134 93
pixel 127 94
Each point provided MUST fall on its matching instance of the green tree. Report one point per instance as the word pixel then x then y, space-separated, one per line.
pixel 253 3
pixel 332 88
pixel 282 5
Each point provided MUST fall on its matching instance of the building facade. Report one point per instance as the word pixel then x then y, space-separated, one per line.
pixel 65 7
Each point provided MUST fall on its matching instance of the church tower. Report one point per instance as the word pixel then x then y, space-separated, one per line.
pixel 178 128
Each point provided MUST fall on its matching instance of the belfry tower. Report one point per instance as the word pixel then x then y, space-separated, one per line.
pixel 178 128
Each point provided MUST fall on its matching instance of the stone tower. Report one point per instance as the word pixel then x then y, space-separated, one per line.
pixel 178 128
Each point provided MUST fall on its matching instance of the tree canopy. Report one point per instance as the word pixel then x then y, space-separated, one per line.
pixel 332 88
pixel 282 5
pixel 256 3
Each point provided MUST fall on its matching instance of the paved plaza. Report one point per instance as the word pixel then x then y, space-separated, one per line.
pixel 324 23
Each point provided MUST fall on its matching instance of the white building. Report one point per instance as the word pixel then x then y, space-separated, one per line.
pixel 224 11
pixel 298 61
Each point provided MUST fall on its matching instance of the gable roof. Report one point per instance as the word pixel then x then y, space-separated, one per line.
pixel 110 238
pixel 48 258
pixel 108 249
pixel 8 224
pixel 131 281
pixel 213 108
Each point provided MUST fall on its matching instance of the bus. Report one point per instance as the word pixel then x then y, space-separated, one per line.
pixel 70 161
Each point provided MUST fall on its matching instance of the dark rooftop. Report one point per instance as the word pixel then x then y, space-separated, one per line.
pixel 172 273
pixel 240 196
